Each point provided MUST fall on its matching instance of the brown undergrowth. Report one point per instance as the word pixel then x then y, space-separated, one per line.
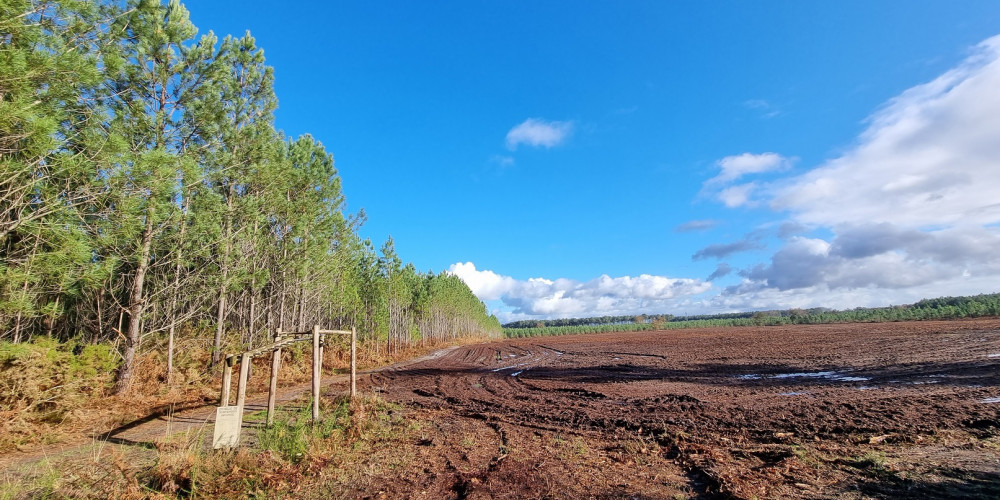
pixel 278 461
pixel 59 393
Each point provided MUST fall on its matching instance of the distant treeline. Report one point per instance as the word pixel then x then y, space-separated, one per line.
pixel 602 320
pixel 927 309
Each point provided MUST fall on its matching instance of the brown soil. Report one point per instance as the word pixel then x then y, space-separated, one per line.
pixel 823 411
pixel 826 411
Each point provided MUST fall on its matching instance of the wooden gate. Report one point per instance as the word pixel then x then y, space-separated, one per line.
pixel 228 421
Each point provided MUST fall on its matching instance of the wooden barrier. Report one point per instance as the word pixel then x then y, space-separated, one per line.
pixel 272 389
pixel 317 373
pixel 281 339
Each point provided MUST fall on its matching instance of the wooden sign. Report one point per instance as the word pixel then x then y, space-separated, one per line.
pixel 228 421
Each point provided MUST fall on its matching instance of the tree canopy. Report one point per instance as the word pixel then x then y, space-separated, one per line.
pixel 145 188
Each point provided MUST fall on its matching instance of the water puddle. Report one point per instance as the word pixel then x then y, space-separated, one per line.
pixel 990 400
pixel 830 375
pixel 993 355
pixel 502 368
pixel 805 374
pixel 517 373
pixel 915 382
pixel 794 393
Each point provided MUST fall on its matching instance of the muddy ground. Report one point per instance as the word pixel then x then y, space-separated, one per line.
pixel 820 411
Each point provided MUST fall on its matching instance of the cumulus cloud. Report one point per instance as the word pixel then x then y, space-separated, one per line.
pixel 856 242
pixel 696 225
pixel 929 157
pixel 604 295
pixel 536 132
pixel 752 296
pixel 881 256
pixel 909 211
pixel 911 208
pixel 487 285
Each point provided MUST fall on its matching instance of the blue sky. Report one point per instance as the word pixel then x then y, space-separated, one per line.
pixel 576 159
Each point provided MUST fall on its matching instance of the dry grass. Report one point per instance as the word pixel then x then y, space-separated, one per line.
pixel 51 394
pixel 59 393
pixel 354 439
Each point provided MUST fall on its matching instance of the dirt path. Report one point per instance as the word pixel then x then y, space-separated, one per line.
pixel 145 432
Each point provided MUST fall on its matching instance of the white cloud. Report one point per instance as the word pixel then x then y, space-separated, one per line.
pixel 487 285
pixel 883 256
pixel 751 296
pixel 737 196
pixel 912 207
pixel 734 167
pixel 539 133
pixel 545 298
pixel 910 211
pixel 929 157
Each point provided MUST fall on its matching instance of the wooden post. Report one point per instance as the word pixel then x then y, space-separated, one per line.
pixel 316 374
pixel 227 381
pixel 354 362
pixel 322 347
pixel 272 391
pixel 241 387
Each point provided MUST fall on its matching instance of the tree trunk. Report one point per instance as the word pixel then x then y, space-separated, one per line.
pixel 136 306
pixel 219 319
pixel 173 299
pixel 284 288
pixel 302 307
pixel 223 286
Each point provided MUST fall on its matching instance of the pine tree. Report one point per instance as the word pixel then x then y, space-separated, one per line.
pixel 48 70
pixel 238 163
pixel 151 81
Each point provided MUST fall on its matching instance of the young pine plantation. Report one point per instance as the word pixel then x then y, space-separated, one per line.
pixel 154 220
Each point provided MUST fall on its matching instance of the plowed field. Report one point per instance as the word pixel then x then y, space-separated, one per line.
pixel 858 410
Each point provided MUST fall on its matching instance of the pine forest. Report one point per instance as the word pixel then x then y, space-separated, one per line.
pixel 146 195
